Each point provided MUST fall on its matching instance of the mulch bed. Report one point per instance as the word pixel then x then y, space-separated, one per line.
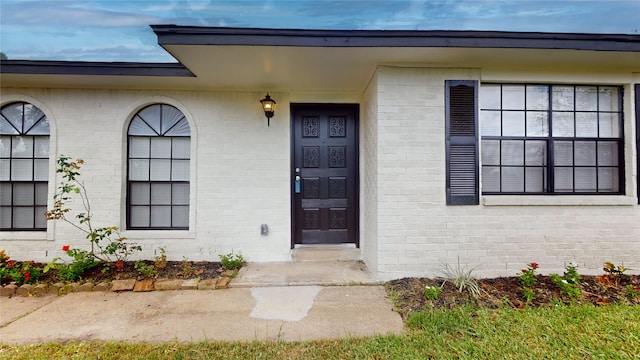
pixel 505 291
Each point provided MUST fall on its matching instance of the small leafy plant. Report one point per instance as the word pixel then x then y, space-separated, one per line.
pixel 632 292
pixel 432 292
pixel 569 283
pixel 161 260
pixel 187 268
pixel 462 278
pixel 82 261
pixel 613 274
pixel 232 261
pixel 528 280
pixel 146 270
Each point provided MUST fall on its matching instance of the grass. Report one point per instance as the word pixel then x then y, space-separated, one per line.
pixel 562 332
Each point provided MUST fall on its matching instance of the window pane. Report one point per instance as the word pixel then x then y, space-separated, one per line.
pixel 22 170
pixel 180 194
pixel 563 179
pixel 609 125
pixel 40 219
pixel 151 115
pixel 139 147
pixel 31 115
pixel 607 153
pixel 608 98
pixel 490 96
pixel 41 128
pixel 140 194
pixel 160 194
pixel 586 98
pixel 12 123
pixel 5 143
pixel 512 152
pixel 170 116
pixel 23 217
pixel 180 170
pixel 513 97
pixel 5 194
pixel 536 180
pixel 608 180
pixel 140 128
pixel 490 178
pixel 513 123
pixel 537 97
pixel 512 179
pixel 180 216
pixel 41 169
pixel 41 194
pixel 161 216
pixel 23 194
pixel 181 148
pixel 585 179
pixel 562 124
pixel 42 147
pixel 563 153
pixel 22 147
pixel 161 147
pixel 139 170
pixel 5 217
pixel 536 153
pixel 586 124
pixel 180 129
pixel 537 123
pixel 160 170
pixel 4 169
pixel 585 153
pixel 139 216
pixel 562 98
pixel 490 152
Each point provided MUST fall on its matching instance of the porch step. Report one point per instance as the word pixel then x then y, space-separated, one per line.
pixel 303 273
pixel 346 252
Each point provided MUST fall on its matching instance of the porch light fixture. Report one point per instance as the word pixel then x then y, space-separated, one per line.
pixel 269 106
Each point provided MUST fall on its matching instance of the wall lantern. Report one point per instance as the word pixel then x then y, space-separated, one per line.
pixel 269 106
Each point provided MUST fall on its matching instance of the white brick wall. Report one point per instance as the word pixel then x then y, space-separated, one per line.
pixel 418 233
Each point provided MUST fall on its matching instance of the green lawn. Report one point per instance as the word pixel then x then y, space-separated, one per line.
pixel 563 332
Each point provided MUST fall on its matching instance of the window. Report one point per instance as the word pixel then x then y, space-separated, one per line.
pixel 24 167
pixel 159 149
pixel 551 139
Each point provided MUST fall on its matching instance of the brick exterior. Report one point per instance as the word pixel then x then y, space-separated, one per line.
pixel 240 178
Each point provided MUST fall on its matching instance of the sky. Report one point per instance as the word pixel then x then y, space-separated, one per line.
pixel 118 30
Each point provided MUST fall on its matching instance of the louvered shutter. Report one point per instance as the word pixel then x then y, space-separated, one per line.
pixel 462 142
pixel 637 91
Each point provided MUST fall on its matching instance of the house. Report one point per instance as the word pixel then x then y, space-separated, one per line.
pixel 416 148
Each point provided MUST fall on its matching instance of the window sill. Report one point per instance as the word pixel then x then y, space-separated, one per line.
pixel 158 234
pixel 558 200
pixel 23 235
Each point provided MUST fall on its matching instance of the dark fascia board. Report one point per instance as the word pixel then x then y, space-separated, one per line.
pixel 196 35
pixel 46 67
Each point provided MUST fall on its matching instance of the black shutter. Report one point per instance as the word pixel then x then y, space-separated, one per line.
pixel 461 97
pixel 637 91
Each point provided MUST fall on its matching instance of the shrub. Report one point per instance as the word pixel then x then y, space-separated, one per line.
pixel 232 261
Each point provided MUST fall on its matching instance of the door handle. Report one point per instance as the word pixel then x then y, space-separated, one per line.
pixel 296 184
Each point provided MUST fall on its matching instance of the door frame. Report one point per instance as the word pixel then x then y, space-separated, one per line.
pixel 292 110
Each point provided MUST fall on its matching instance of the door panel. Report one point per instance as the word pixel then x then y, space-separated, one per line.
pixel 325 157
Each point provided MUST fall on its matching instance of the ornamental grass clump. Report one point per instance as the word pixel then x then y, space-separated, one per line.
pixel 462 278
pixel 528 279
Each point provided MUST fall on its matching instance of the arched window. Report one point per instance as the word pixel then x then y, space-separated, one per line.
pixel 158 173
pixel 24 167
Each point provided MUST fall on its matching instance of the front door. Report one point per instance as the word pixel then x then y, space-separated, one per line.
pixel 324 174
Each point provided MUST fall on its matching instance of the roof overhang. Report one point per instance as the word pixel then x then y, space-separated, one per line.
pixel 276 59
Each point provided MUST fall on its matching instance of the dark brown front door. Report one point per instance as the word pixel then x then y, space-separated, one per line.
pixel 325 174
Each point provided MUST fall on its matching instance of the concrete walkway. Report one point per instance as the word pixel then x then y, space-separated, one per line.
pixel 257 307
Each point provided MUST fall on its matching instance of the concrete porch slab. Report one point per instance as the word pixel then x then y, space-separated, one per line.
pixel 300 273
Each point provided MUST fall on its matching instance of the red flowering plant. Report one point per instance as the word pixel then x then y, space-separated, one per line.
pixel 82 261
pixel 106 243
pixel 23 272
pixel 528 279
